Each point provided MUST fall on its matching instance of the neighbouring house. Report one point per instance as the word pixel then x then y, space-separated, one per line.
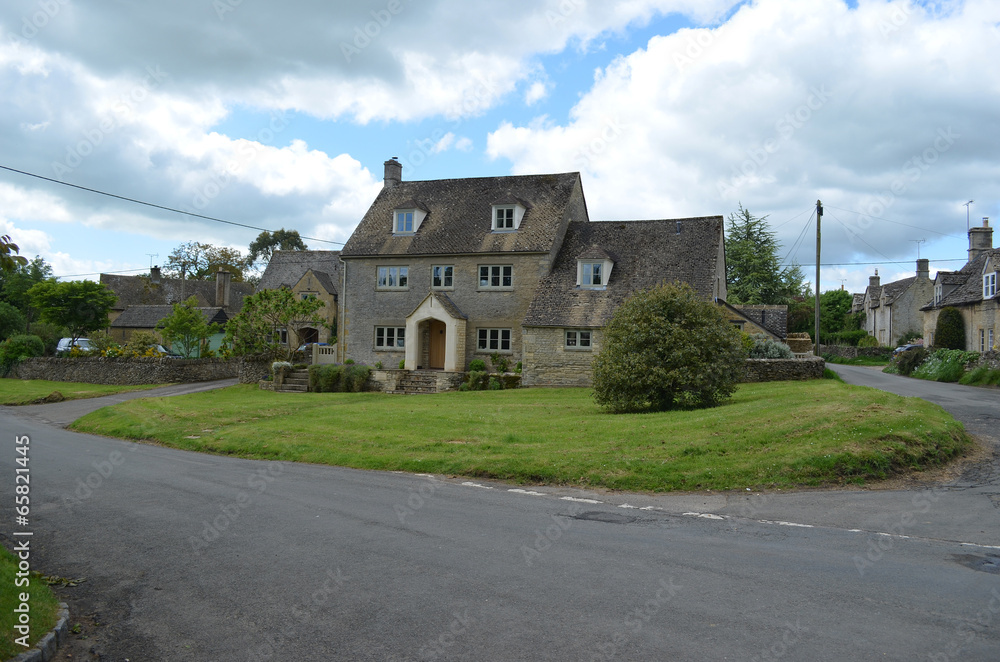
pixel 973 291
pixel 145 300
pixel 759 320
pixel 310 275
pixel 441 272
pixel 894 309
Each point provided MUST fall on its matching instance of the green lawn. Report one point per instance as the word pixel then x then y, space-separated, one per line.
pixel 28 391
pixel 860 360
pixel 779 434
pixel 43 606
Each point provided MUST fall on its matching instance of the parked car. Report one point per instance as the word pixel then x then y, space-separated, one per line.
pixel 83 344
pixel 166 353
pixel 308 346
pixel 905 348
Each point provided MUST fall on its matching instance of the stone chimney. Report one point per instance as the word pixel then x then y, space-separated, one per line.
pixel 923 269
pixel 874 281
pixel 980 239
pixel 154 275
pixel 393 173
pixel 222 282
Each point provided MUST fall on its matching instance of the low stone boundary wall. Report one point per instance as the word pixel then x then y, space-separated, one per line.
pixel 126 372
pixel 849 352
pixel 776 370
pixel 991 358
pixel 251 371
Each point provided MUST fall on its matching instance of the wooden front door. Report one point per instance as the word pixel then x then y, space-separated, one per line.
pixel 436 348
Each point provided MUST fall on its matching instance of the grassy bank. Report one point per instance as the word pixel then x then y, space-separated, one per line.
pixel 779 434
pixel 860 360
pixel 29 391
pixel 43 606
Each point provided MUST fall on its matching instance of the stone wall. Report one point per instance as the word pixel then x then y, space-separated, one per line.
pixel 776 370
pixel 548 362
pixel 992 359
pixel 126 371
pixel 251 371
pixel 800 343
pixel 848 352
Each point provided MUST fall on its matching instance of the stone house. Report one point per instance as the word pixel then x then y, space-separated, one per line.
pixel 146 318
pixel 973 291
pixel 442 272
pixel 312 275
pixel 894 309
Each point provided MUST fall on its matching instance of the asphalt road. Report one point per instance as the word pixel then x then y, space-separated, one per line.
pixel 197 557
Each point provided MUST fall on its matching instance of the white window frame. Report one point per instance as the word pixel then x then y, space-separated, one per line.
pixel 415 216
pixel 390 334
pixel 512 214
pixel 496 273
pixel 991 340
pixel 392 278
pixel 490 340
pixel 989 285
pixel 592 274
pixel 578 340
pixel 443 276
pixel 982 340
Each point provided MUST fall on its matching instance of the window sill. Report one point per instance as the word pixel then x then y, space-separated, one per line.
pixel 392 289
pixel 592 287
pixel 443 289
pixel 389 349
pixel 578 349
pixel 495 289
pixel 508 352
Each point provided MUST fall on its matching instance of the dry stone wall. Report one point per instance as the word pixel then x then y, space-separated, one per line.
pixel 776 370
pixel 129 372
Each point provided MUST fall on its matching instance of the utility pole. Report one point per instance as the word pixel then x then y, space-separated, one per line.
pixel 819 215
pixel 966 205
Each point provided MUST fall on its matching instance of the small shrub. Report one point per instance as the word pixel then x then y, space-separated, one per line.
pixel 950 330
pixel 518 368
pixel 102 344
pixel 830 374
pixel 495 384
pixel 478 380
pixel 17 348
pixel 477 365
pixel 909 337
pixel 500 362
pixel 402 364
pixel 768 348
pixel 355 377
pixel 378 365
pixel 141 343
pixel 868 341
pixel 945 365
pixel 326 378
pixel 907 362
pixel 348 361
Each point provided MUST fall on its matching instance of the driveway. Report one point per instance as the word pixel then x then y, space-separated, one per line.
pixel 200 557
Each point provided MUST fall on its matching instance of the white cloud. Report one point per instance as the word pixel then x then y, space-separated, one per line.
pixel 536 92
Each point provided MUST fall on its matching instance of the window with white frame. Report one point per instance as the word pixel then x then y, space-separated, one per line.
pixel 503 218
pixel 493 340
pixel 989 339
pixel 982 340
pixel 989 285
pixel 592 274
pixel 404 221
pixel 442 276
pixel 390 337
pixel 577 339
pixel 495 276
pixel 393 278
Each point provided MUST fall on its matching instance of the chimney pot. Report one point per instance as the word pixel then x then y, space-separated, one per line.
pixel 154 275
pixel 923 268
pixel 393 173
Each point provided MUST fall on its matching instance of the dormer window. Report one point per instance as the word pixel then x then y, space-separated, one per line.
pixel 593 269
pixel 406 218
pixel 503 218
pixel 989 285
pixel 508 213
pixel 592 274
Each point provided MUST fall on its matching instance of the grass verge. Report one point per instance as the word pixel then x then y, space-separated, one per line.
pixel 779 434
pixel 32 391
pixel 43 606
pixel 861 360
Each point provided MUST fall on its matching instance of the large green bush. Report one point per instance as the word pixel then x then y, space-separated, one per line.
pixel 908 361
pixel 11 321
pixel 666 348
pixel 332 378
pixel 17 348
pixel 850 338
pixel 950 330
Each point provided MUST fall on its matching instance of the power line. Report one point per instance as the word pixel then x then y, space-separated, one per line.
pixel 852 211
pixel 861 264
pixel 155 206
pixel 860 237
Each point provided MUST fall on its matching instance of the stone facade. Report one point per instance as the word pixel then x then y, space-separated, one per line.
pixel 250 371
pixel 777 370
pixel 548 362
pixel 129 372
pixel 894 309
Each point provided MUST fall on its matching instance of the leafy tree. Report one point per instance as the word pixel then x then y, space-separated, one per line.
pixel 186 326
pixel 14 285
pixel 255 330
pixel 17 348
pixel 80 306
pixel 11 320
pixel 834 307
pixel 196 261
pixel 753 268
pixel 266 243
pixel 9 258
pixel 950 330
pixel 665 348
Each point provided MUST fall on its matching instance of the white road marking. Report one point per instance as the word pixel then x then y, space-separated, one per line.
pixel 529 492
pixel 705 515
pixel 580 500
pixel 471 484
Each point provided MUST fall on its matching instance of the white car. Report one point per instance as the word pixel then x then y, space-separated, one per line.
pixel 83 344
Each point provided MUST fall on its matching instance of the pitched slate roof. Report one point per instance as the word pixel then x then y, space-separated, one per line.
pixel 147 317
pixel 142 291
pixel 892 290
pixel 772 318
pixel 460 216
pixel 858 302
pixel 969 280
pixel 286 268
pixel 647 253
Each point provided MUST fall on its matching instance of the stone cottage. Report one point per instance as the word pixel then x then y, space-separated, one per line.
pixel 309 275
pixel 894 309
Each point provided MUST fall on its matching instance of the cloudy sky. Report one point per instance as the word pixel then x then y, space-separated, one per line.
pixel 281 114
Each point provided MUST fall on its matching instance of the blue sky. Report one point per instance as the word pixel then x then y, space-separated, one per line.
pixel 282 117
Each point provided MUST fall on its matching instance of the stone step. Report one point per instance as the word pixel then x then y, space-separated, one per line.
pixel 293 388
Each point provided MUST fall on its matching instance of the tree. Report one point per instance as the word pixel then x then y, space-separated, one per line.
pixel 187 327
pixel 950 330
pixel 834 307
pixel 196 261
pixel 665 348
pixel 79 306
pixel 14 286
pixel 266 243
pixel 9 258
pixel 255 330
pixel 11 321
pixel 753 269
